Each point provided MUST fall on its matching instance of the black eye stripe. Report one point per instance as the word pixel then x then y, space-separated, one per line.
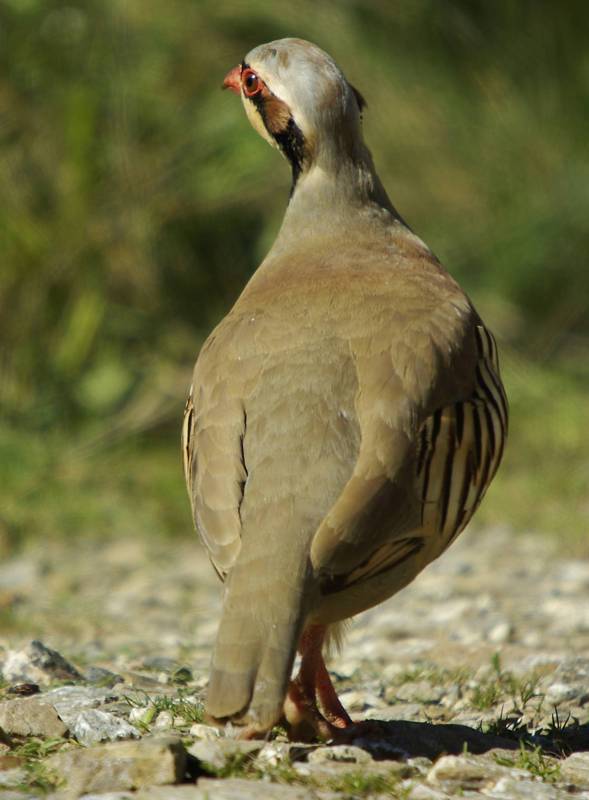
pixel 290 140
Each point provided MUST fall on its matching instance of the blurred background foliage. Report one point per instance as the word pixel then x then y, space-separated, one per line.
pixel 136 201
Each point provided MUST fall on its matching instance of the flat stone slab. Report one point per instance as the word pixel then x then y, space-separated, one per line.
pixel 120 766
pixel 31 717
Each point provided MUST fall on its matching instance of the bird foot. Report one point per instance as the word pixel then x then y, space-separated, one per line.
pixel 305 722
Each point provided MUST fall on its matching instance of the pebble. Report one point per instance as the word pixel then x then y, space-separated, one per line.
pixel 507 788
pixel 216 753
pixel 343 753
pixel 120 766
pixel 207 732
pixel 500 633
pixel 10 778
pixel 164 721
pixel 37 663
pixel 465 772
pixel 420 691
pixel 558 693
pixel 31 718
pixel 70 701
pixel 93 726
pixel 575 769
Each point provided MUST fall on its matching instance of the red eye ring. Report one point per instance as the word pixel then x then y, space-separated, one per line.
pixel 250 83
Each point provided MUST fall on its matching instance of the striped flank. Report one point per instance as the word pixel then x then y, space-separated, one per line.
pixel 460 448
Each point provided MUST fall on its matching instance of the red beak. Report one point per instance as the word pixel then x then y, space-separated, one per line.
pixel 233 80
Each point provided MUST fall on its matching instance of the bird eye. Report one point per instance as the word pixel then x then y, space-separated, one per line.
pixel 251 83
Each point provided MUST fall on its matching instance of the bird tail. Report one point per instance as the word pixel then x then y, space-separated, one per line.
pixel 256 646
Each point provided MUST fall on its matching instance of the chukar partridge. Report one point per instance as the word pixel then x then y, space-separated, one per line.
pixel 346 417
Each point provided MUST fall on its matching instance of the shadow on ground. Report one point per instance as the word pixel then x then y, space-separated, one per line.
pixel 431 740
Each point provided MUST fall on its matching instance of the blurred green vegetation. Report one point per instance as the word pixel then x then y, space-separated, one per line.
pixel 136 201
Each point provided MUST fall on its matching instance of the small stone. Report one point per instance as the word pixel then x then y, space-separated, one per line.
pixel 182 675
pixel 451 697
pixel 397 712
pixel 70 701
pixel 182 792
pixel 469 772
pixel 93 726
pixel 160 663
pixel 346 753
pixel 419 691
pixel 508 788
pixel 241 789
pixel 12 777
pixel 360 700
pixel 274 754
pixel 142 714
pixel 421 764
pixel 500 633
pixel 103 676
pixel 216 754
pixel 31 718
pixel 37 664
pixel 164 721
pixel 421 792
pixel 559 693
pixel 24 689
pixel 575 769
pixel 207 732
pixel 120 766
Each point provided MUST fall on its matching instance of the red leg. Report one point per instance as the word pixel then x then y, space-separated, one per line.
pixel 328 699
pixel 313 684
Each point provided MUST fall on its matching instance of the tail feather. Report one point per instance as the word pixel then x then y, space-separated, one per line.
pixel 255 648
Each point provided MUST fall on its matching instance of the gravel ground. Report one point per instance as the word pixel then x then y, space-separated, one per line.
pixel 478 674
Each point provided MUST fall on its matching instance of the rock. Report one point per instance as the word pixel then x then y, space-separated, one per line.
pixel 468 772
pixel 276 754
pixel 103 676
pixel 70 701
pixel 201 731
pixel 186 792
pixel 214 754
pixel 93 726
pixel 575 769
pixel 37 664
pixel 558 693
pixel 10 778
pixel 360 700
pixel 24 689
pixel 160 663
pixel 508 788
pixel 421 764
pixel 500 633
pixel 398 711
pixel 164 721
pixel 419 691
pixel 328 773
pixel 108 795
pixel 142 714
pixel 120 766
pixel 421 792
pixel 240 789
pixel 346 753
pixel 31 718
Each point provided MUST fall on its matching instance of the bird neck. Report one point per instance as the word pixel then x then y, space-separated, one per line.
pixel 336 191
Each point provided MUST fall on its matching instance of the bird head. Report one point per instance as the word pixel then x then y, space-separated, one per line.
pixel 298 99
